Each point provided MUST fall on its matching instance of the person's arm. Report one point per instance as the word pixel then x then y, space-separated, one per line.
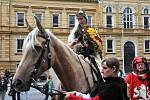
pixel 71 40
pixel 71 44
pixel 128 82
pixel 74 97
pixel 80 96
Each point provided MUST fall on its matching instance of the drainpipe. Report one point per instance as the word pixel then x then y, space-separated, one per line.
pixel 10 32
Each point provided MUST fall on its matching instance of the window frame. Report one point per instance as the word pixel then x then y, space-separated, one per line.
pixel 70 20
pixel 148 25
pixel 145 46
pixel 58 23
pixel 145 11
pixel 113 45
pixel 17 65
pixel 90 20
pixel 108 9
pixel 109 25
pixel 41 19
pixel 20 49
pixel 128 18
pixel 17 22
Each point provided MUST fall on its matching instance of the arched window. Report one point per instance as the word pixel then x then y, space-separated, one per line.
pixel 108 10
pixel 127 18
pixel 146 18
pixel 109 17
pixel 129 54
pixel 145 11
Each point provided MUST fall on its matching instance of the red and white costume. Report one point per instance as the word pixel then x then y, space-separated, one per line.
pixel 138 89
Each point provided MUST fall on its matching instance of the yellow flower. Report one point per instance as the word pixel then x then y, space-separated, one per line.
pixel 92 34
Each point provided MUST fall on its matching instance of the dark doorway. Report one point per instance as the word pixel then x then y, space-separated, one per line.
pixel 129 54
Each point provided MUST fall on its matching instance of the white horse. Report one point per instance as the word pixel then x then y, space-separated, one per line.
pixel 41 51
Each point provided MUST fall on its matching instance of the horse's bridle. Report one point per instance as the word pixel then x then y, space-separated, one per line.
pixel 38 64
pixel 41 58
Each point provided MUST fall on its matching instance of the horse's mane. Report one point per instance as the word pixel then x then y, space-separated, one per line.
pixel 31 37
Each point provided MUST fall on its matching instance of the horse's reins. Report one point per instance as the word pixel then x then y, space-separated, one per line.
pixel 53 93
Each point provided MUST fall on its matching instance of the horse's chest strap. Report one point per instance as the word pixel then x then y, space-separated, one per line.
pixel 85 75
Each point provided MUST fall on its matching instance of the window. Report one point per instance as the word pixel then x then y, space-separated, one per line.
pixel 17 65
pixel 20 19
pixel 109 18
pixel 71 20
pixel 19 45
pixel 109 45
pixel 55 20
pixel 89 20
pixel 109 21
pixel 147 45
pixel 128 18
pixel 146 18
pixel 108 10
pixel 145 11
pixel 39 16
pixel 146 22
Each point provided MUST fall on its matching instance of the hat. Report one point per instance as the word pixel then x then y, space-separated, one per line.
pixel 139 60
pixel 81 13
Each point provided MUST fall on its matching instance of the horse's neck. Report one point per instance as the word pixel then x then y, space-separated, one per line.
pixel 68 68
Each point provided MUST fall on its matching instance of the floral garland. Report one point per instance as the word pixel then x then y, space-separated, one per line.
pixel 93 35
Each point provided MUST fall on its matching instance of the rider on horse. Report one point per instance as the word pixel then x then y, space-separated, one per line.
pixel 89 41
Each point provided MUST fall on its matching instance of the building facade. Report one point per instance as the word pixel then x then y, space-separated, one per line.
pixel 124 26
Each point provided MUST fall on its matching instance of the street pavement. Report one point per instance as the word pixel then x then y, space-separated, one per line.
pixel 33 94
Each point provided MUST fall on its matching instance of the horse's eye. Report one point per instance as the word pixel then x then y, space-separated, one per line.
pixel 37 48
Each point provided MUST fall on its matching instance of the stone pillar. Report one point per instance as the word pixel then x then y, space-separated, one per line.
pixel 30 17
pixel 47 18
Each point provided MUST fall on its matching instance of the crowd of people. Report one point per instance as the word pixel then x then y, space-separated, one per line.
pixel 3 85
pixel 135 86
pixel 6 78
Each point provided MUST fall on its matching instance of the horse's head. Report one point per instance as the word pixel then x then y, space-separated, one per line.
pixel 35 59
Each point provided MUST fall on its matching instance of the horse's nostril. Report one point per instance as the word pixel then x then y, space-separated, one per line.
pixel 18 82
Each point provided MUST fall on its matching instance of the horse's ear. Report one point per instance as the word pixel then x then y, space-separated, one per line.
pixel 38 23
pixel 28 26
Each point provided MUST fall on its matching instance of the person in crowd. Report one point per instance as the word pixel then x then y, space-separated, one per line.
pixel 3 85
pixel 86 39
pixel 12 91
pixel 7 74
pixel 24 95
pixel 114 87
pixel 49 86
pixel 138 81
